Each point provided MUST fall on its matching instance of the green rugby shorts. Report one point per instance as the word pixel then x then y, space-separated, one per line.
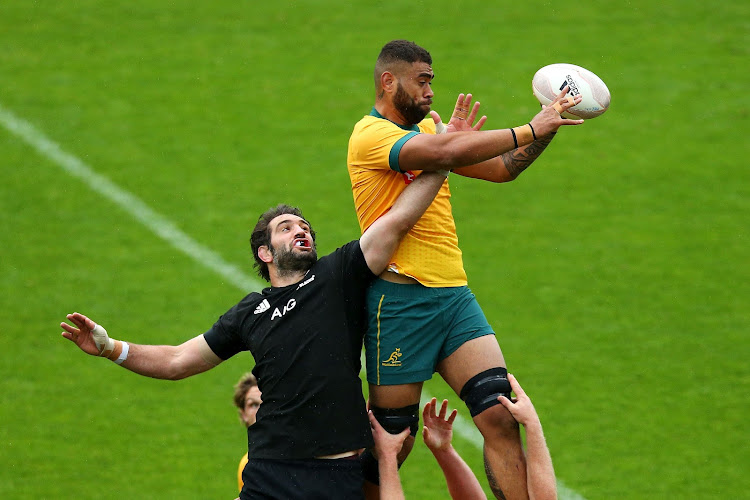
pixel 411 328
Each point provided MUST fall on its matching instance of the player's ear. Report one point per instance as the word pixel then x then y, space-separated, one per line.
pixel 265 254
pixel 387 81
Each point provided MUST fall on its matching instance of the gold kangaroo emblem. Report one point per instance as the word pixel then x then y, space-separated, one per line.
pixel 393 359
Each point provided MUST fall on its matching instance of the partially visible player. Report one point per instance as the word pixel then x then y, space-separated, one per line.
pixel 247 399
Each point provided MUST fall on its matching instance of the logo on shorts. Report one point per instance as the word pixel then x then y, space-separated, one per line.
pixel 393 359
pixel 409 177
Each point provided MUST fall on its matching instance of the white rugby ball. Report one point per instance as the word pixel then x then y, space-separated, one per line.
pixel 550 80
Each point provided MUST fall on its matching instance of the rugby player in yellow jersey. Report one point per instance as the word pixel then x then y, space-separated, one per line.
pixel 247 399
pixel 422 316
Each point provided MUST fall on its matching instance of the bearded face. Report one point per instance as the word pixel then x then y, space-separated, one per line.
pixel 410 108
pixel 289 262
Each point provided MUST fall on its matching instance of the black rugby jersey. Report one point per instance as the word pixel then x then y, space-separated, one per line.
pixel 306 339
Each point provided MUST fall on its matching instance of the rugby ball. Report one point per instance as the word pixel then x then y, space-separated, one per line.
pixel 551 79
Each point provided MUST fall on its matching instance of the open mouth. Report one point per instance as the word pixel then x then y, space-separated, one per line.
pixel 301 244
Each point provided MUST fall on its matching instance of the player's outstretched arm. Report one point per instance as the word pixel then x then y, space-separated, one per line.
pixel 462 149
pixel 437 434
pixel 156 361
pixel 387 446
pixel 381 239
pixel 539 470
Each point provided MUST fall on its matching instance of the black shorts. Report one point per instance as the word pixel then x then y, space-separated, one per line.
pixel 314 478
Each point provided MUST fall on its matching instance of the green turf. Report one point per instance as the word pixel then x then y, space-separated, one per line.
pixel 615 270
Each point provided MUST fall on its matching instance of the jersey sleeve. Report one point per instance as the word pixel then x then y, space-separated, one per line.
pixel 377 144
pixel 223 338
pixel 354 267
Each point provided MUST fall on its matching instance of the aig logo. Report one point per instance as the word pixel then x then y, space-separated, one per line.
pixel 277 313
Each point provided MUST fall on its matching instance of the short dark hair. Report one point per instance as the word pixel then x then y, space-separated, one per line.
pixel 261 235
pixel 397 51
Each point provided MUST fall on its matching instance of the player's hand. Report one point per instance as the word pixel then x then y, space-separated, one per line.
pixel 386 444
pixel 437 432
pixel 548 120
pixel 462 118
pixel 521 406
pixel 82 333
pixel 464 114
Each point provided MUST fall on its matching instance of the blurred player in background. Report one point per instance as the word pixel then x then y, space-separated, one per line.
pixel 247 399
pixel 437 434
pixel 422 316
pixel 305 334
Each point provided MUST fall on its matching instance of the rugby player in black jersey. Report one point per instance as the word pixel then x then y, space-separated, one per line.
pixel 305 333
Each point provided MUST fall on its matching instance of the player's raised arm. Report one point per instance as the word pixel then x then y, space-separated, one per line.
pixel 437 434
pixel 381 239
pixel 156 361
pixel 539 470
pixel 387 447
pixel 461 149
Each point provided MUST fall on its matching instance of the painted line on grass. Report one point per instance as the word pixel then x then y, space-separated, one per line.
pixel 170 233
pixel 128 202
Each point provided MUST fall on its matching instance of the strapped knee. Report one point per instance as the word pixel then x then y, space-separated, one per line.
pixel 482 390
pixel 393 420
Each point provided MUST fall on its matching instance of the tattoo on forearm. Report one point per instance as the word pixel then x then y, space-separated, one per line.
pixel 518 160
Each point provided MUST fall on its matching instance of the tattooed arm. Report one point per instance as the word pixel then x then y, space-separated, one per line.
pixel 508 166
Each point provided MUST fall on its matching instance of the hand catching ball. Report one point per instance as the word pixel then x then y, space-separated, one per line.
pixel 551 79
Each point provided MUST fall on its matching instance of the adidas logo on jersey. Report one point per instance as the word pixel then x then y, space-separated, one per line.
pixel 262 307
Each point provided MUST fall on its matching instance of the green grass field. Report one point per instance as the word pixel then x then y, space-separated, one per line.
pixel 616 270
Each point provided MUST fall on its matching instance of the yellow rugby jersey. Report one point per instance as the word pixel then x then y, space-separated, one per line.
pixel 243 463
pixel 429 253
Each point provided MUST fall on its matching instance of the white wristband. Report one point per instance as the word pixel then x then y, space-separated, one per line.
pixel 124 354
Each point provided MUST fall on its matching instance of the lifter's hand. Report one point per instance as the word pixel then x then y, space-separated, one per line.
pixel 521 406
pixel 386 444
pixel 462 118
pixel 548 120
pixel 96 343
pixel 437 432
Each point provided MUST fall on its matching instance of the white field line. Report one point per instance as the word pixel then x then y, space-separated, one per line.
pixel 170 233
pixel 128 202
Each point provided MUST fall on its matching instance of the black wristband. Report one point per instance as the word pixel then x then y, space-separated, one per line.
pixel 532 131
pixel 514 138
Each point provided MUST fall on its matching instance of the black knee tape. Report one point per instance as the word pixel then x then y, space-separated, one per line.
pixel 395 420
pixel 482 390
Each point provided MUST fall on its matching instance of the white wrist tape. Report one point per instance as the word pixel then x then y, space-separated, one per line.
pixel 105 344
pixel 124 354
